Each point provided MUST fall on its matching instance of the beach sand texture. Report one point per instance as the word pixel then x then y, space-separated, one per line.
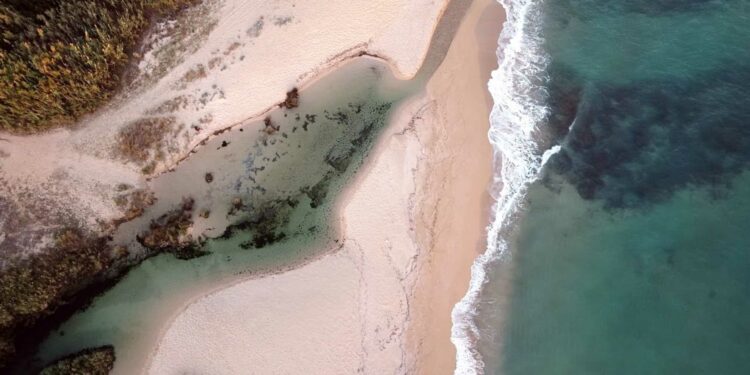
pixel 412 221
pixel 250 54
pixel 454 210
pixel 341 314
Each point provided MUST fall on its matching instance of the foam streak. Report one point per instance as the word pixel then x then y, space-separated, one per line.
pixel 518 88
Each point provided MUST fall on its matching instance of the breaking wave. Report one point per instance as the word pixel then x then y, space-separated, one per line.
pixel 518 88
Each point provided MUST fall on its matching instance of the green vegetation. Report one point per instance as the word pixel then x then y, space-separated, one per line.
pixel 60 59
pixel 45 289
pixel 96 361
pixel 37 288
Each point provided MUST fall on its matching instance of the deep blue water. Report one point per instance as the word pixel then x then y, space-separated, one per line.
pixel 633 252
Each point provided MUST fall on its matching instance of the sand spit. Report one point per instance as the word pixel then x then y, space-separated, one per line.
pixel 239 59
pixel 455 208
pixel 412 221
pixel 344 313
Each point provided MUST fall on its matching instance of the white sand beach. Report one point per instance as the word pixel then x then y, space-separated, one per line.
pixel 411 223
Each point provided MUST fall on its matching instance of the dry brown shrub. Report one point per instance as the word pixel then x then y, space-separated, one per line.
pixel 138 140
pixel 232 47
pixel 170 106
pixel 213 63
pixel 195 73
pixel 134 204
pixel 60 60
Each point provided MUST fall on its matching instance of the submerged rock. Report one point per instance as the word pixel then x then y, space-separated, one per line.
pixel 292 99
pixel 169 233
pixel 270 127
pixel 265 224
pixel 318 192
pixel 94 361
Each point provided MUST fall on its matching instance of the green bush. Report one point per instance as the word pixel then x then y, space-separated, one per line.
pixel 60 59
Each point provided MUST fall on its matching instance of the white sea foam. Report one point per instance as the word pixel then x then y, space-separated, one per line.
pixel 518 88
pixel 549 153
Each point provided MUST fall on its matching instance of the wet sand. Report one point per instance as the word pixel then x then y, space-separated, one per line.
pixel 455 206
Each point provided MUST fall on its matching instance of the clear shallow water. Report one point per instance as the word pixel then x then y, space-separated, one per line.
pixel 288 179
pixel 131 315
pixel 630 254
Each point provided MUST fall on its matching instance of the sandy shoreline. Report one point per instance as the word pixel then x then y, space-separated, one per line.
pixel 76 175
pixel 456 205
pixel 412 222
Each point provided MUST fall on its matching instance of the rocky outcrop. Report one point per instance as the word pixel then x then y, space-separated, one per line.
pixel 94 361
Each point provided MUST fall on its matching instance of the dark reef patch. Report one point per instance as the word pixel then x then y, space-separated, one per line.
pixel 265 218
pixel 636 144
pixel 647 7
pixel 265 224
pixel 318 192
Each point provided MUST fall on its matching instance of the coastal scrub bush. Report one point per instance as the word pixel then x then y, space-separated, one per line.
pixel 134 204
pixel 36 288
pixel 137 140
pixel 60 59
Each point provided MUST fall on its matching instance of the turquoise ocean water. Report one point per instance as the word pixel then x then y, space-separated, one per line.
pixel 628 251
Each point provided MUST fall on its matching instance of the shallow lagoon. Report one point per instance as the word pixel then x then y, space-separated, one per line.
pixel 287 178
